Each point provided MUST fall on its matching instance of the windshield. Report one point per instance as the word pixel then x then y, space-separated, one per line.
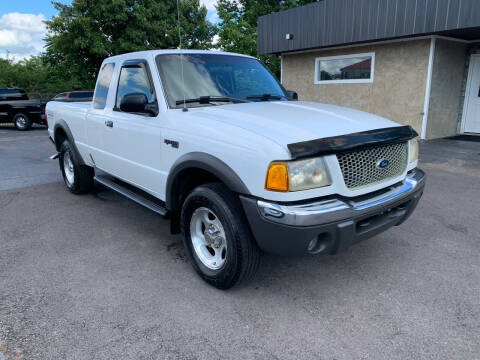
pixel 212 75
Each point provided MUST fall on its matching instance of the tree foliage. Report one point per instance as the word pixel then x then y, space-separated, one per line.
pixel 84 33
pixel 35 76
pixel 237 29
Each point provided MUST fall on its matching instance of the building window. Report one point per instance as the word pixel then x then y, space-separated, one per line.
pixel 355 68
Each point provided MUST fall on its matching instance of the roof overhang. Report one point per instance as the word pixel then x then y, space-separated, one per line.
pixel 333 23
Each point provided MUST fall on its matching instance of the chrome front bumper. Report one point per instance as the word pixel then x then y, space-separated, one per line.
pixel 335 209
pixel 334 223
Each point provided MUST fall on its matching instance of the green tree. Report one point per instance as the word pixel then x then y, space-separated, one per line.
pixel 35 76
pixel 237 28
pixel 84 33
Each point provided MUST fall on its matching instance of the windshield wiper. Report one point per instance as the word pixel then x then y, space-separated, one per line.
pixel 210 99
pixel 266 97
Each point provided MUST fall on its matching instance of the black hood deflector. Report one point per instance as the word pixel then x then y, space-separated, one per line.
pixel 351 142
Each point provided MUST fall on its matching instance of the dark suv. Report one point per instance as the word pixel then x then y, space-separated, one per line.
pixel 16 108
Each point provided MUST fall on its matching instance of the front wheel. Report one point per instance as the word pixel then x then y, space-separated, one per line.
pixel 217 238
pixel 78 178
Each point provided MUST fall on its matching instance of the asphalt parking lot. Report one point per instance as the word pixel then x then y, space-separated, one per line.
pixel 99 277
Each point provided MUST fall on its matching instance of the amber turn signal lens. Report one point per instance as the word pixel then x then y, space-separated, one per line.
pixel 277 177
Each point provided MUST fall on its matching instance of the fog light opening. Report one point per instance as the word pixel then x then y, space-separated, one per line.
pixel 312 245
pixel 319 243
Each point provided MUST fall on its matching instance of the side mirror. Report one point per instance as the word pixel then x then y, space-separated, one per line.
pixel 292 95
pixel 138 103
pixel 134 103
pixel 152 108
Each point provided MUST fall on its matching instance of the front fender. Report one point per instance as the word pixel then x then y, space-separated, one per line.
pixel 205 162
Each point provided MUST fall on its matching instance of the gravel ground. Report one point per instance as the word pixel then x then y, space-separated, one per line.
pixel 99 277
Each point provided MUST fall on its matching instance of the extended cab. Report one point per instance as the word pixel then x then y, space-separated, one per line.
pixel 17 108
pixel 213 141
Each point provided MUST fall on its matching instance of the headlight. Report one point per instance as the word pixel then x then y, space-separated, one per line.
pixel 297 175
pixel 413 150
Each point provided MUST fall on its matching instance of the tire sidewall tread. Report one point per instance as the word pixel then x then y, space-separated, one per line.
pixel 27 119
pixel 83 175
pixel 242 251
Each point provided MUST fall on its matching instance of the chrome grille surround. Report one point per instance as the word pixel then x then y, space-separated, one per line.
pixel 361 168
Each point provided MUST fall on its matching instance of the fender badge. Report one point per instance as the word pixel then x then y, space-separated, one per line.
pixel 172 143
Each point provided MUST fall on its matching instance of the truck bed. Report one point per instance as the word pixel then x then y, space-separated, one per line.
pixel 74 114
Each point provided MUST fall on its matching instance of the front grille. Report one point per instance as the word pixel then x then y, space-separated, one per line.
pixel 362 168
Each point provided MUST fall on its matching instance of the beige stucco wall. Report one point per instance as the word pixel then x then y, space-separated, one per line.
pixel 446 89
pixel 398 89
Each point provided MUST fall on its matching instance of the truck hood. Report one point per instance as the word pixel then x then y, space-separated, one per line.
pixel 287 122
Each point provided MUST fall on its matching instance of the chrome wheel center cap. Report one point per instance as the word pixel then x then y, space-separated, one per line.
pixel 208 238
pixel 213 237
pixel 68 168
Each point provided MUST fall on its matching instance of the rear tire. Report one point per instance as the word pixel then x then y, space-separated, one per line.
pixel 78 178
pixel 22 122
pixel 212 220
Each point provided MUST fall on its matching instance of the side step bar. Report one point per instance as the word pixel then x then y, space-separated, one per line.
pixel 132 195
pixel 54 156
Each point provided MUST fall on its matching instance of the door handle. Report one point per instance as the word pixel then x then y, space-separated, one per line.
pixel 109 123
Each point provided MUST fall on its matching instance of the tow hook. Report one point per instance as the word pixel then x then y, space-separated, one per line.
pixel 54 156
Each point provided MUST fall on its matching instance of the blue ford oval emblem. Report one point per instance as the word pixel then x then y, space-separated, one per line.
pixel 384 163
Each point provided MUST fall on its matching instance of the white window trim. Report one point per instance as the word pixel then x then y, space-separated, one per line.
pixel 346 81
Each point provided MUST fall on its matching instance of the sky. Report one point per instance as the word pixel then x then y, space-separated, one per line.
pixel 22 29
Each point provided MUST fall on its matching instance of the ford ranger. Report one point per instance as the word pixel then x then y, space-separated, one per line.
pixel 213 141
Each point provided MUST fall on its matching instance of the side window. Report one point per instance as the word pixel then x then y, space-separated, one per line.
pixel 62 96
pixel 103 83
pixel 15 94
pixel 353 68
pixel 135 79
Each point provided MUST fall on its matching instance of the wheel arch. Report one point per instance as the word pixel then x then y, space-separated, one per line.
pixel 62 132
pixel 206 167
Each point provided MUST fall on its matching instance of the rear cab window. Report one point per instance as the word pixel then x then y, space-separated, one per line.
pixel 103 83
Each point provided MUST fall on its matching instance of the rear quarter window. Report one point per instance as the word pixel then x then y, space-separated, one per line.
pixel 103 83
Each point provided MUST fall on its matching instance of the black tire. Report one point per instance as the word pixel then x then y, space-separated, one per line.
pixel 242 256
pixel 82 181
pixel 22 122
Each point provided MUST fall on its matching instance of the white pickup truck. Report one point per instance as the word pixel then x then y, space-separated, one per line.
pixel 212 140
